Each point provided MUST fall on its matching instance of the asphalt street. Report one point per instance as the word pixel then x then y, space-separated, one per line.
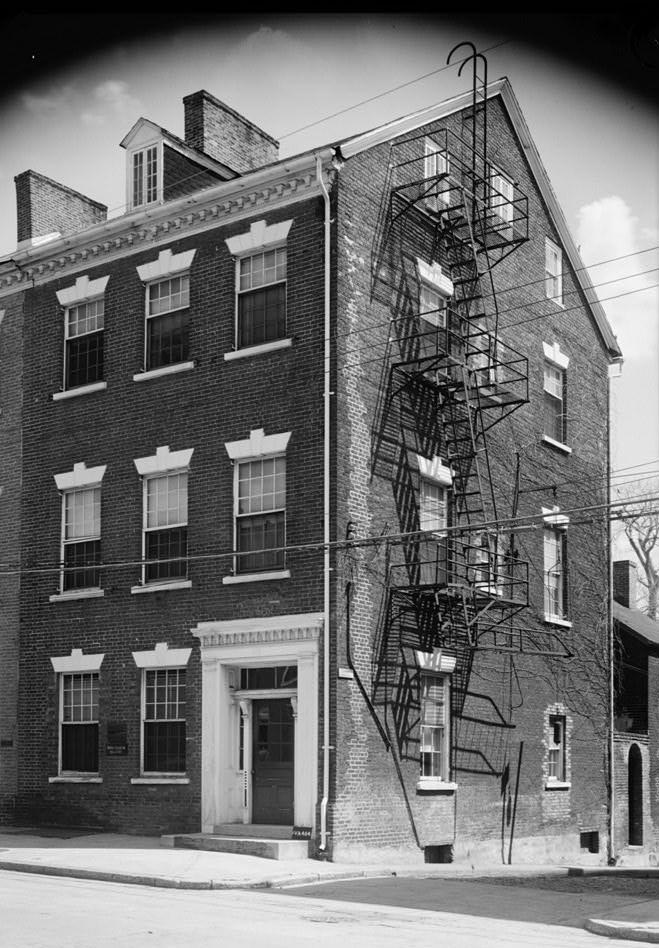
pixel 48 912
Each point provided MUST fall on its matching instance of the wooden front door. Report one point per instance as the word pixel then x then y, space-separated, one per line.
pixel 272 761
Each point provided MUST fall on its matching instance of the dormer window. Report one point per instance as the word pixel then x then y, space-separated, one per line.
pixel 145 176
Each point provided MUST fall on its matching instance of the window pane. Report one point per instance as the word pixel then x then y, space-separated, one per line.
pixel 254 534
pixel 82 513
pixel 432 507
pixel 166 554
pixel 262 315
pixel 80 748
pixel 164 747
pixel 261 485
pixel 138 171
pixel 168 339
pixel 84 360
pixel 81 565
pixel 167 500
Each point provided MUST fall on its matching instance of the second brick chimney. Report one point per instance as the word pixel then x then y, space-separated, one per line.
pixel 46 208
pixel 215 129
pixel 624 583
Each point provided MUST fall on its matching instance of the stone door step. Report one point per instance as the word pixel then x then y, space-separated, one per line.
pixel 266 848
pixel 257 830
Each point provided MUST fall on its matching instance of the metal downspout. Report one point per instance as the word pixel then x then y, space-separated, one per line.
pixel 326 519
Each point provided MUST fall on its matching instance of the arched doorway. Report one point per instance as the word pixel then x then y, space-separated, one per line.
pixel 635 795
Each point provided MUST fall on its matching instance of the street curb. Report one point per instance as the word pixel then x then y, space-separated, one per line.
pixel 641 872
pixel 626 930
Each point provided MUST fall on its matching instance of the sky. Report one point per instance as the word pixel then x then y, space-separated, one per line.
pixel 588 86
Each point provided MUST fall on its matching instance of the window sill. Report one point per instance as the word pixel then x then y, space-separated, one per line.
pixel 555 620
pixel 81 390
pixel 557 785
pixel 73 594
pixel 143 781
pixel 164 370
pixel 256 577
pixel 258 350
pixel 557 444
pixel 434 785
pixel 75 778
pixel 162 587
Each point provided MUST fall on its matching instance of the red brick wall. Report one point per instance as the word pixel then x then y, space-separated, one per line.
pixel 219 131
pixel 182 176
pixel 203 408
pixel 11 324
pixel 499 756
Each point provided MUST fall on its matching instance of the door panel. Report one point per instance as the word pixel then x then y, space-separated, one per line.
pixel 272 761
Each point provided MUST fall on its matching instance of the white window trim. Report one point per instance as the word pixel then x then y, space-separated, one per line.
pixel 260 236
pixel 148 374
pixel 160 658
pixel 430 149
pixel 507 218
pixel 273 245
pixel 77 663
pixel 145 146
pixel 554 354
pixel 558 299
pixel 164 461
pixel 92 593
pixel 83 291
pixel 255 577
pixel 426 669
pixel 432 275
pixel 80 390
pixel 258 445
pixel 167 265
pixel 80 476
pixel 434 469
pixel 261 349
pixel 164 586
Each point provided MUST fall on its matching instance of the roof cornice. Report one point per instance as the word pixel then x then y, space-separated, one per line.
pixel 268 188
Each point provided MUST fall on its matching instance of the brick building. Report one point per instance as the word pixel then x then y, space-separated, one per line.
pixel 301 456
pixel 636 725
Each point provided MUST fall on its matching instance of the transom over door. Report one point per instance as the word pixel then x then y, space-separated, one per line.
pixel 273 733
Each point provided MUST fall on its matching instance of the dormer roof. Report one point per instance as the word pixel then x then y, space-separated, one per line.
pixel 145 132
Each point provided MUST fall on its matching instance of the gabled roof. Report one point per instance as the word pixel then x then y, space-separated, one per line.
pixel 501 87
pixel 637 623
pixel 145 131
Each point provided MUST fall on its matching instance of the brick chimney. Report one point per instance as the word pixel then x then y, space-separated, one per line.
pixel 624 583
pixel 215 129
pixel 46 208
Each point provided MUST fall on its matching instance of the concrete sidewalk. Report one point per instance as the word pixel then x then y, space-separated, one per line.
pixel 144 860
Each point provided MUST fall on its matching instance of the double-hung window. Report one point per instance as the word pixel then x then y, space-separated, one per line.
pixel 433 507
pixel 167 317
pixel 163 721
pixel 80 549
pixel 262 297
pixel 84 323
pixel 165 527
pixel 502 196
pixel 84 343
pixel 553 272
pixel 436 168
pixel 144 178
pixel 81 538
pixel 555 368
pixel 434 727
pixel 261 515
pixel 79 723
pixel 555 565
pixel 168 322
pixel 487 562
pixel 259 465
pixel 432 306
pixel 164 516
pixel 556 770
pixel 163 704
pixel 261 275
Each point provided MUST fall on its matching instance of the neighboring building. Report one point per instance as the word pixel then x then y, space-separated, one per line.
pixel 304 448
pixel 636 723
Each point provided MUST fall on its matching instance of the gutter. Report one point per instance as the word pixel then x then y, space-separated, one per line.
pixel 326 516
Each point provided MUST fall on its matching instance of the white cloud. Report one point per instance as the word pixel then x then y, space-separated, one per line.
pixel 113 98
pixel 607 230
pixel 52 101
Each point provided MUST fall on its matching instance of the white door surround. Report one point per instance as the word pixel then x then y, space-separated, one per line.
pixel 257 642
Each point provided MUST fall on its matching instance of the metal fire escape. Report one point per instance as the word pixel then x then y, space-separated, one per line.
pixel 448 378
